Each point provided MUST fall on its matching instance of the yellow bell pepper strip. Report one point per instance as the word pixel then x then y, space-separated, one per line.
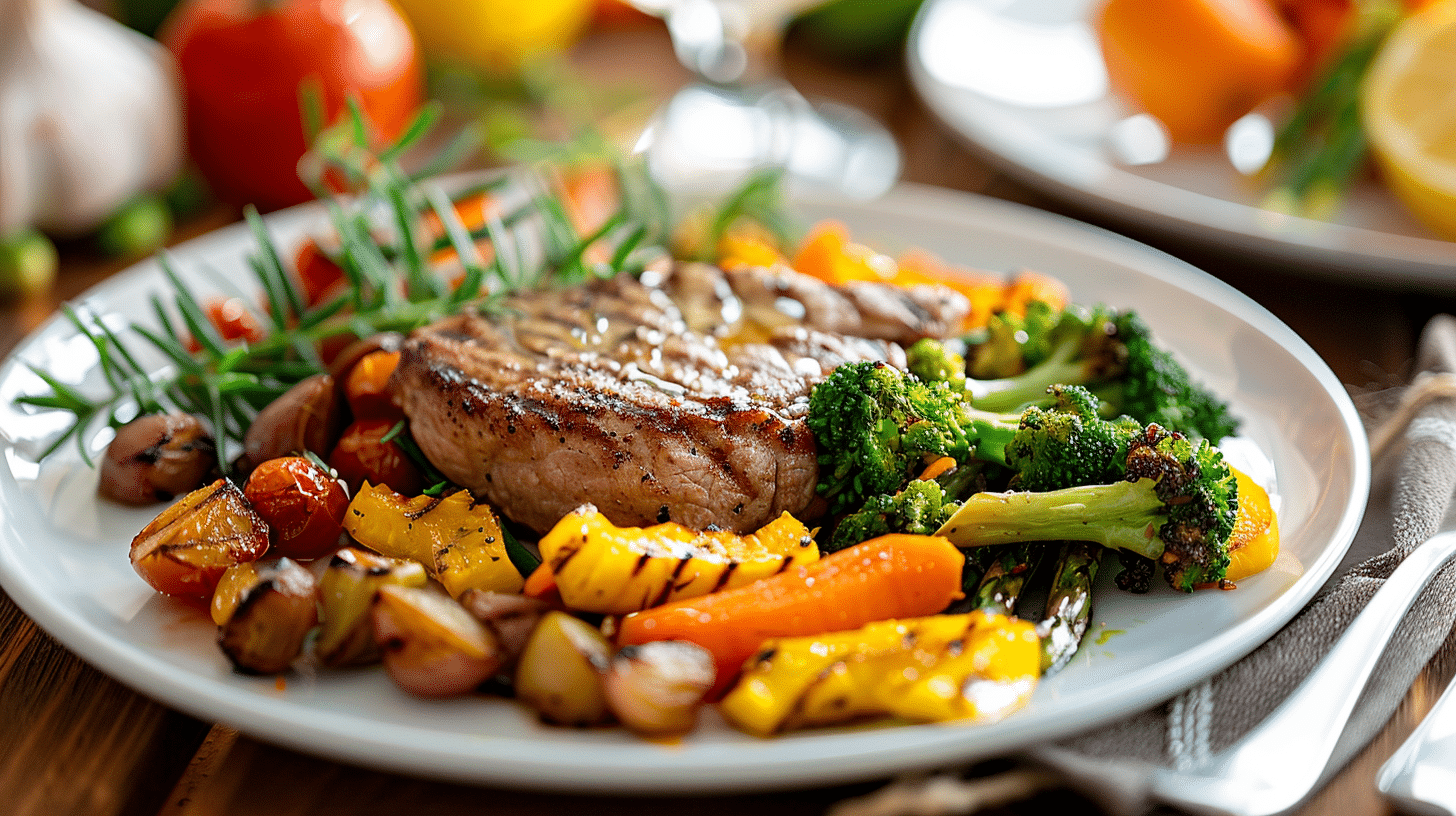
pixel 976 666
pixel 1254 543
pixel 458 539
pixel 600 567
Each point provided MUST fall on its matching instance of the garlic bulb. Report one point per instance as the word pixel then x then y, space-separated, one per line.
pixel 89 116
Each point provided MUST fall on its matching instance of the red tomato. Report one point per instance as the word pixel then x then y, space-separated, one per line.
pixel 320 279
pixel 243 63
pixel 303 505
pixel 361 456
pixel 233 321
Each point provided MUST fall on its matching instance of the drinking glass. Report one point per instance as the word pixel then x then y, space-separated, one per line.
pixel 738 116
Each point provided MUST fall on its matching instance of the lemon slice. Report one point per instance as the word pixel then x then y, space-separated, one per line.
pixel 1409 110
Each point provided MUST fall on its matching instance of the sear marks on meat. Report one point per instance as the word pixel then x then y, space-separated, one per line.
pixel 678 397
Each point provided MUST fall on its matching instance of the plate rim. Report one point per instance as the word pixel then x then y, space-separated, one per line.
pixel 1421 262
pixel 208 698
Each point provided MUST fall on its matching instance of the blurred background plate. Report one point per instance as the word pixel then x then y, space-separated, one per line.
pixel 1023 81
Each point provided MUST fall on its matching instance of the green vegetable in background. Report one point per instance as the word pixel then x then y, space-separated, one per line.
pixel 857 30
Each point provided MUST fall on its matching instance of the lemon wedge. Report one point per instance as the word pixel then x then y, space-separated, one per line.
pixel 1408 104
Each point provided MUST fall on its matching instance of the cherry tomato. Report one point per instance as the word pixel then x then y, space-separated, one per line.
pixel 243 63
pixel 233 321
pixel 319 278
pixel 303 505
pixel 361 455
pixel 367 387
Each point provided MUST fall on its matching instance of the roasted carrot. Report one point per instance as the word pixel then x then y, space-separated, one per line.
pixel 893 576
pixel 541 585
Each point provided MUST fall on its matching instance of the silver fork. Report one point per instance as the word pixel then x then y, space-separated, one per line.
pixel 1276 765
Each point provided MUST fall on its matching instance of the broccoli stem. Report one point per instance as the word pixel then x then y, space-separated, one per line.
pixel 1125 515
pixel 992 432
pixel 1069 604
pixel 1030 386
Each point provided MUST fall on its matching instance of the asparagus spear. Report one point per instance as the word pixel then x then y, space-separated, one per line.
pixel 1001 580
pixel 1069 604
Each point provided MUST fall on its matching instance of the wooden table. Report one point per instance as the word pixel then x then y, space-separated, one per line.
pixel 73 741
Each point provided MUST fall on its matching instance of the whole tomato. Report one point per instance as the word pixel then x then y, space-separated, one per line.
pixel 303 505
pixel 243 63
pixel 363 455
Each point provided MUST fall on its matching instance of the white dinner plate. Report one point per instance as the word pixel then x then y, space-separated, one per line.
pixel 1024 81
pixel 63 553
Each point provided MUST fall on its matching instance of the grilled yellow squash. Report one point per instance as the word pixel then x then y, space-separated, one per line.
pixel 943 667
pixel 600 567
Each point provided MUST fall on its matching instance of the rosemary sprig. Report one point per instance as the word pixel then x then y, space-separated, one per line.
pixel 384 253
pixel 1321 148
pixel 392 287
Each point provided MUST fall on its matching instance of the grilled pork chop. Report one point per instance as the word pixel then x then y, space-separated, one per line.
pixel 679 397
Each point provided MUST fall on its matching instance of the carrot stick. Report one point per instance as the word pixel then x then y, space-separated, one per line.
pixel 366 387
pixel 541 585
pixel 893 576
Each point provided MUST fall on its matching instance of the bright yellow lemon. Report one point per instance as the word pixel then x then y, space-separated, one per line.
pixel 1409 109
pixel 496 35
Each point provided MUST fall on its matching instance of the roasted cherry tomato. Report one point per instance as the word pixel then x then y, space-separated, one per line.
pixel 243 64
pixel 233 320
pixel 367 387
pixel 303 505
pixel 361 455
pixel 319 278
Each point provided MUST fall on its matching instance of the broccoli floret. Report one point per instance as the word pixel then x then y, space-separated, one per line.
pixel 1068 443
pixel 1010 343
pixel 921 508
pixel 876 427
pixel 933 361
pixel 1144 490
pixel 1113 355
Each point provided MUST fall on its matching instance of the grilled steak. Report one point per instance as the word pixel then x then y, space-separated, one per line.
pixel 678 397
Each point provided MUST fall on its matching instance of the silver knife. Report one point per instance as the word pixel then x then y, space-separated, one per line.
pixel 1420 777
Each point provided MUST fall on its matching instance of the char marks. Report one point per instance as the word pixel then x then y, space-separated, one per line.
pixel 611 393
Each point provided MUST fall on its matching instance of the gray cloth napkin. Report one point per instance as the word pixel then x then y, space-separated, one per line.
pixel 1413 434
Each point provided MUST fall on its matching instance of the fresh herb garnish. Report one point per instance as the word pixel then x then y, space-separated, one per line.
pixel 383 253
